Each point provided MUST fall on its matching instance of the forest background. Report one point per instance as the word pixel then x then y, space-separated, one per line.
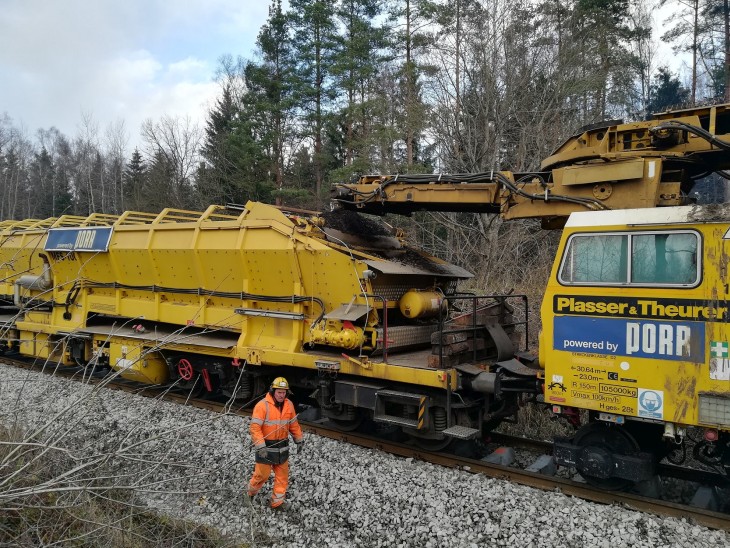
pixel 341 88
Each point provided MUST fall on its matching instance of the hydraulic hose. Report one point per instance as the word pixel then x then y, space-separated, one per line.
pixel 706 135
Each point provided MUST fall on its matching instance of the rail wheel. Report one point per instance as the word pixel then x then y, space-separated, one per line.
pixel 428 444
pixel 349 419
pixel 595 462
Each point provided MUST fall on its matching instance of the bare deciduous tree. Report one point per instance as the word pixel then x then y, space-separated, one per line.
pixel 178 141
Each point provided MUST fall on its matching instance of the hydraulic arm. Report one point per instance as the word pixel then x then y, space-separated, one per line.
pixel 611 165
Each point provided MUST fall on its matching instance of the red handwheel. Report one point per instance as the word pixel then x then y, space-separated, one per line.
pixel 185 369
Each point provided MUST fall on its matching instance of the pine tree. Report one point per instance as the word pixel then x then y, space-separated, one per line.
pixel 714 46
pixel 135 182
pixel 252 160
pixel 63 200
pixel 314 42
pixel 160 188
pixel 270 102
pixel 359 55
pixel 217 182
pixel 41 193
pixel 410 40
pixel 603 30
pixel 686 34
pixel 666 91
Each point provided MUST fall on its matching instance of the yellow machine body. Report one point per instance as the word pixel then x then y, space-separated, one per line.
pixel 635 316
pixel 261 287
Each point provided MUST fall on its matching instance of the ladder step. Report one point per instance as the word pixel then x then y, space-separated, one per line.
pixel 390 419
pixel 461 432
pixel 397 395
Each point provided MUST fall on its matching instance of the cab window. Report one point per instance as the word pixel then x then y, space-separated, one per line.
pixel 664 258
pixel 596 258
pixel 646 258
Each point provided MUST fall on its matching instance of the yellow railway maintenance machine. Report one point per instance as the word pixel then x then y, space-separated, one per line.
pixel 634 342
pixel 635 330
pixel 635 314
pixel 218 302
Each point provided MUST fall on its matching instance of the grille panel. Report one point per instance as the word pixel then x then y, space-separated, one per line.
pixel 714 409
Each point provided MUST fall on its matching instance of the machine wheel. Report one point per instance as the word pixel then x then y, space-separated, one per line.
pixel 428 444
pixel 349 419
pixel 708 453
pixel 345 425
pixel 193 388
pixel 598 442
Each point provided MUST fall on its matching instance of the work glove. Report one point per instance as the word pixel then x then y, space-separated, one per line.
pixel 262 453
pixel 300 446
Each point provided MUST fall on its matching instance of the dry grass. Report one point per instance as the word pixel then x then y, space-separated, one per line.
pixel 537 422
pixel 38 509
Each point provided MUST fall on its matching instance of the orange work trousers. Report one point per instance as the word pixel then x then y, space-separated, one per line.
pixel 261 474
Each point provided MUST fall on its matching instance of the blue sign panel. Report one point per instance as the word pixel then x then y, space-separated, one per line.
pixel 651 404
pixel 622 337
pixel 79 239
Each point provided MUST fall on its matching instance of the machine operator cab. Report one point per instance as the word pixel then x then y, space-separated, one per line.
pixel 635 332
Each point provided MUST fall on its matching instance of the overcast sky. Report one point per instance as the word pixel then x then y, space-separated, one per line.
pixel 61 60
pixel 117 59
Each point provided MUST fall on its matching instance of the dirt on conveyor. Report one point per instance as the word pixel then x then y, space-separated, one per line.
pixel 355 223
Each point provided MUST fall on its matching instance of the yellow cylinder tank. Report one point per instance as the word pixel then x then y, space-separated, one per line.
pixel 421 304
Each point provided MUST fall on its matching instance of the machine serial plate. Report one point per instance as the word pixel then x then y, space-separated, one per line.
pixel 328 366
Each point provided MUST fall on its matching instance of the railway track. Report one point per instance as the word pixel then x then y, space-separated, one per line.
pixel 707 518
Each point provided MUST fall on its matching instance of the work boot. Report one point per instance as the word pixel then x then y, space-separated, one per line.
pixel 283 507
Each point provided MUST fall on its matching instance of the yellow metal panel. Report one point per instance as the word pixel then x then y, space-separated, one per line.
pixel 436 378
pixel 672 342
pixel 19 256
pixel 591 174
pixel 135 361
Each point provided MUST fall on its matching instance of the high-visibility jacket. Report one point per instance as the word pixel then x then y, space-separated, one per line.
pixel 270 428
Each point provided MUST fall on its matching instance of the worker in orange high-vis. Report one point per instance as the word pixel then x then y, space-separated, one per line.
pixel 272 421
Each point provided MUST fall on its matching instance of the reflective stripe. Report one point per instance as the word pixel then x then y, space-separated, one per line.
pixel 268 421
pixel 276 497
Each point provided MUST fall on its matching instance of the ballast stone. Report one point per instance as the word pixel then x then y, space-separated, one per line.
pixel 202 454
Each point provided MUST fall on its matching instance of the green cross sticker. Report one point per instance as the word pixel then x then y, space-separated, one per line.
pixel 718 349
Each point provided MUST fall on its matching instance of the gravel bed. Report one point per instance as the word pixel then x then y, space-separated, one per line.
pixel 193 463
